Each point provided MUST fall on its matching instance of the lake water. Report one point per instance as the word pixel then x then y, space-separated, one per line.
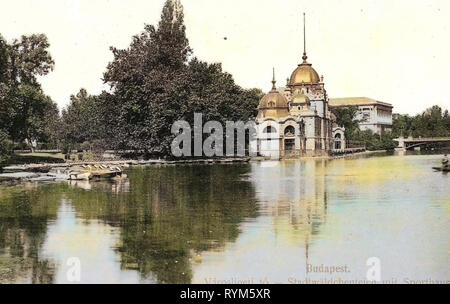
pixel 262 222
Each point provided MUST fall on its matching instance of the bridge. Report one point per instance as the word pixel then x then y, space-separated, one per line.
pixel 411 143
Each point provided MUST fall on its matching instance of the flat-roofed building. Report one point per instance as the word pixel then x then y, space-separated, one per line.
pixel 372 114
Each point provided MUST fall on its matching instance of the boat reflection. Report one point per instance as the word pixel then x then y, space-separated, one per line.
pixel 114 186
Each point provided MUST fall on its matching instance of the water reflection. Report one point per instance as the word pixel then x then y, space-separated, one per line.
pixel 152 227
pixel 90 241
pixel 258 222
pixel 293 206
pixel 23 229
pixel 338 214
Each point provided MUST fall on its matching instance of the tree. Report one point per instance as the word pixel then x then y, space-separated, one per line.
pixel 78 118
pixel 149 81
pixel 87 121
pixel 29 57
pixel 346 117
pixel 433 122
pixel 26 113
pixel 32 115
pixel 401 125
pixel 374 141
pixel 5 147
pixel 155 84
pixel 3 59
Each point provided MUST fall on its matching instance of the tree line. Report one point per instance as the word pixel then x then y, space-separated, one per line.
pixel 433 122
pixel 26 113
pixel 156 81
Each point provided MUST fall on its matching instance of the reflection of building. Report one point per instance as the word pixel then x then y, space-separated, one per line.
pixel 294 195
pixel 295 120
pixel 372 114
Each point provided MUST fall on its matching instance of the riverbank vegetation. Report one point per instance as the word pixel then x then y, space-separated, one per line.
pixel 154 82
pixel 26 113
pixel 433 122
pixel 347 118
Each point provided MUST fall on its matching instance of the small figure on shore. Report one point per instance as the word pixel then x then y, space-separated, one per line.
pixel 445 162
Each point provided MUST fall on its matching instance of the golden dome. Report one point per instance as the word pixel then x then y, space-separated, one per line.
pixel 273 99
pixel 300 98
pixel 273 105
pixel 304 73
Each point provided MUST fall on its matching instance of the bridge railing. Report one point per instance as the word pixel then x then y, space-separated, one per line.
pixel 418 139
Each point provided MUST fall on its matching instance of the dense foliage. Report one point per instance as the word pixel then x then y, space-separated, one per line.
pixel 434 122
pixel 347 117
pixel 155 83
pixel 84 125
pixel 374 141
pixel 26 113
pixel 5 147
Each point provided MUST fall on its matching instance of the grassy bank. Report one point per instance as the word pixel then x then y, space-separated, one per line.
pixel 33 158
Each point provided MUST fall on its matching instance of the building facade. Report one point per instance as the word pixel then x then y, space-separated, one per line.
pixel 295 120
pixel 372 115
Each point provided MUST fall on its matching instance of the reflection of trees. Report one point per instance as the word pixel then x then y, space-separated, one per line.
pixel 166 216
pixel 23 225
pixel 170 213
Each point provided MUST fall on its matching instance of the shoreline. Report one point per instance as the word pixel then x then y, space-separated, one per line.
pixel 40 171
pixel 43 167
pixel 36 172
pixel 359 154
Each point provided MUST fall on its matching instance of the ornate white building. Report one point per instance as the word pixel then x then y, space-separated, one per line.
pixel 295 121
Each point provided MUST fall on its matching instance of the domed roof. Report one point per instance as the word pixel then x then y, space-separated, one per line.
pixel 304 73
pixel 273 99
pixel 300 98
pixel 273 104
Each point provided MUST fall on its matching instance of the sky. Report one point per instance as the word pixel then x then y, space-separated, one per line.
pixel 395 51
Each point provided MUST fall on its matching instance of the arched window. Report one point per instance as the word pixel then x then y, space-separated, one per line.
pixel 337 141
pixel 289 131
pixel 271 104
pixel 270 129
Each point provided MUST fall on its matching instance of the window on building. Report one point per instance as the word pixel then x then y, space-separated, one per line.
pixel 270 129
pixel 289 131
pixel 337 141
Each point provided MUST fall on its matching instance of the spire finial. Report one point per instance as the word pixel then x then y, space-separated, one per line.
pixel 304 38
pixel 273 80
